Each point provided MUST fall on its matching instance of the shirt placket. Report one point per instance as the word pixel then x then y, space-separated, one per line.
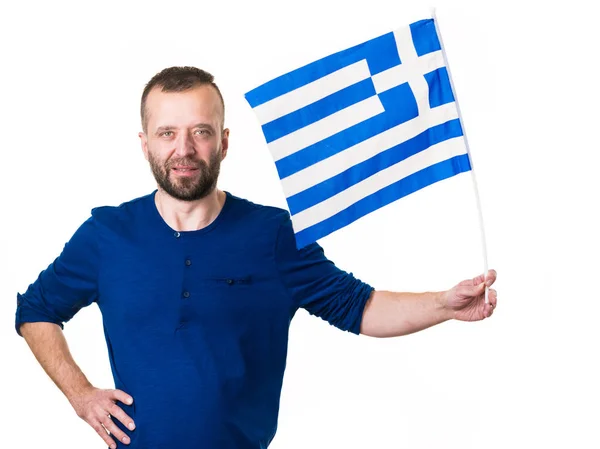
pixel 186 293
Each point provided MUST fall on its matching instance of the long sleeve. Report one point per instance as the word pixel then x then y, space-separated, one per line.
pixel 317 285
pixel 68 284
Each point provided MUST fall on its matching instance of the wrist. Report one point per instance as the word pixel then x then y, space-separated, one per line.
pixel 77 391
pixel 441 301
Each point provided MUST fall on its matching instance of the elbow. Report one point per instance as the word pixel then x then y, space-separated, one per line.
pixel 28 327
pixel 26 314
pixel 370 326
pixel 370 329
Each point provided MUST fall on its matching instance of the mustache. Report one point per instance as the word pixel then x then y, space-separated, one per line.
pixel 186 162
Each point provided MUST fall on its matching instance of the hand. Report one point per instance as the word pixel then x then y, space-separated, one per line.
pixel 467 299
pixel 97 407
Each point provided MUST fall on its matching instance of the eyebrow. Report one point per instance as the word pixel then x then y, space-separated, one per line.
pixel 171 128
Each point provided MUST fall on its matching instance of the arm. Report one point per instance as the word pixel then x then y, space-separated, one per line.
pixel 60 291
pixel 344 301
pixel 48 344
pixel 389 314
pixel 316 284
pixel 93 405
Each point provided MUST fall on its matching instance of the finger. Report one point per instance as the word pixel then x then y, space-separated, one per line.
pixel 493 297
pixel 117 433
pixel 491 277
pixel 120 395
pixel 472 282
pixel 100 430
pixel 489 310
pixel 118 413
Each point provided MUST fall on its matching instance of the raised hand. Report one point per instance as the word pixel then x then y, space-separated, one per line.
pixel 467 299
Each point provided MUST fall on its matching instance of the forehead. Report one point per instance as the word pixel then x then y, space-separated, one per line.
pixel 201 103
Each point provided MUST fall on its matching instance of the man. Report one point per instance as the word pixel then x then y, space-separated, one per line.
pixel 197 288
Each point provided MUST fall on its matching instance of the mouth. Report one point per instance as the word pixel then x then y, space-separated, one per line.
pixel 185 170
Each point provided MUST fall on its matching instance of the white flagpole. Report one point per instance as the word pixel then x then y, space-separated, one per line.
pixel 462 124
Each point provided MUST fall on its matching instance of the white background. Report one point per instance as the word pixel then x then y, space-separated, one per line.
pixel 71 79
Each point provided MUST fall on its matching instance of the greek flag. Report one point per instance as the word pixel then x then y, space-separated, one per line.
pixel 361 128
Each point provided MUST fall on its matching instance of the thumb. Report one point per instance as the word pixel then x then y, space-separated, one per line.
pixel 474 290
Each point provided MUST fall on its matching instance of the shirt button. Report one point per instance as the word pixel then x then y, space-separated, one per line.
pixel 176 234
pixel 186 294
pixel 188 262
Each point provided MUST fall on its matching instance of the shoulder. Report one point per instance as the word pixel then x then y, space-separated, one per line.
pixel 258 213
pixel 277 223
pixel 263 225
pixel 126 212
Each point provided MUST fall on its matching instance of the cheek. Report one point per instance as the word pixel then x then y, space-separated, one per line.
pixel 206 146
pixel 155 157
pixel 159 150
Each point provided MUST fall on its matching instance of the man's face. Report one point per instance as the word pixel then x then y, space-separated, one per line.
pixel 185 141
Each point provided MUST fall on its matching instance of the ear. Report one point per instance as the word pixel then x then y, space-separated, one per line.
pixel 144 142
pixel 224 143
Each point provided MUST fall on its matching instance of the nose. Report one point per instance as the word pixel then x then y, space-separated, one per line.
pixel 184 145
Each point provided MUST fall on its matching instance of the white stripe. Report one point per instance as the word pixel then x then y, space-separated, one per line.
pixel 405 45
pixel 420 90
pixel 366 149
pixel 326 209
pixel 326 127
pixel 403 73
pixel 311 92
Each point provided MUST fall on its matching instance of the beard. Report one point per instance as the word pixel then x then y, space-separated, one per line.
pixel 183 188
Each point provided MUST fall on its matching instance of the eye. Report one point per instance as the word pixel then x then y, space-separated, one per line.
pixel 202 132
pixel 166 134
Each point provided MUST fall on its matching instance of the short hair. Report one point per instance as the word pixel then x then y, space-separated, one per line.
pixel 177 79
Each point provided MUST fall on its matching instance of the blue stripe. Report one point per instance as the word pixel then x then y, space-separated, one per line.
pixel 319 110
pixel 381 54
pixel 400 106
pixel 383 197
pixel 440 90
pixel 357 173
pixel 425 37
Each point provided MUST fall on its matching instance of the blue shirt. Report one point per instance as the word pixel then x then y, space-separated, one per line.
pixel 196 322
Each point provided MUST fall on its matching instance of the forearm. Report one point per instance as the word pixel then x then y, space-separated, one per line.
pixel 391 314
pixel 48 344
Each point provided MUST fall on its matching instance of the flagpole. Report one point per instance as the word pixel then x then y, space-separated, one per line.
pixel 481 227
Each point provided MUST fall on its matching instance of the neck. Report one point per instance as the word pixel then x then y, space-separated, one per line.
pixel 189 215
